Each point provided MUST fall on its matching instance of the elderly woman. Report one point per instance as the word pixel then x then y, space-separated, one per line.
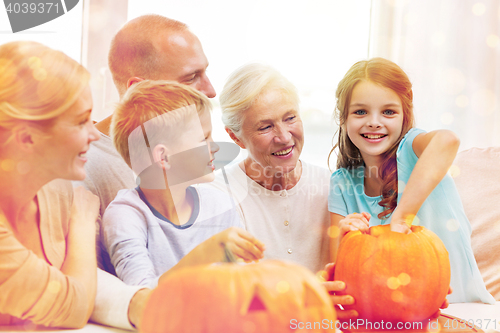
pixel 283 200
pixel 47 230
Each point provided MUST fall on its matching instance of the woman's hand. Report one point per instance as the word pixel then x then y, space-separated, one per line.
pixel 85 207
pixel 137 305
pixel 241 243
pixel 446 302
pixel 444 305
pixel 338 300
pixel 353 222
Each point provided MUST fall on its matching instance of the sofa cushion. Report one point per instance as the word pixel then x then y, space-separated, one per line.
pixel 477 175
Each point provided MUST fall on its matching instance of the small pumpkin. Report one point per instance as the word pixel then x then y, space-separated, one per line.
pixel 230 297
pixel 393 276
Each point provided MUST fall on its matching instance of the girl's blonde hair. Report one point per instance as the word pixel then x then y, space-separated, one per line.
pixel 245 85
pixel 37 84
pixel 387 74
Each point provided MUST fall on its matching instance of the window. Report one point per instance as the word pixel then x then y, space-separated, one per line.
pixel 63 33
pixel 312 43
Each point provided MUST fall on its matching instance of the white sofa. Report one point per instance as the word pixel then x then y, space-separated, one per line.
pixel 477 176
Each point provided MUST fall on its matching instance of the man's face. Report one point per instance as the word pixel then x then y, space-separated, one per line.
pixel 184 61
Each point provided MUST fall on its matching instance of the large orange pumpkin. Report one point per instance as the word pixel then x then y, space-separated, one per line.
pixel 394 276
pixel 270 296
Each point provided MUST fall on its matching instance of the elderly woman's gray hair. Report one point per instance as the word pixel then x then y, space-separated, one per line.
pixel 244 87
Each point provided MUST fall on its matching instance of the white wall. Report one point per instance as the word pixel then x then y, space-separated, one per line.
pixel 63 33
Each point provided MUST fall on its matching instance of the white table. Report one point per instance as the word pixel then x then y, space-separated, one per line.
pixel 467 311
pixel 89 328
pixel 485 316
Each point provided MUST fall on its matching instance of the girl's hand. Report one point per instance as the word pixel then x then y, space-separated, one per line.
pixel 242 244
pixel 353 222
pixel 338 300
pixel 401 224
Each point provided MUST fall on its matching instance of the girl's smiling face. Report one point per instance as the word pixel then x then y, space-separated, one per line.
pixel 374 121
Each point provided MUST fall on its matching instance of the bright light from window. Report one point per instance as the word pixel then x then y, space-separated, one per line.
pixel 63 33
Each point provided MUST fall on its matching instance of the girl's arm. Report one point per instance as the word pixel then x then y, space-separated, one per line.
pixel 436 151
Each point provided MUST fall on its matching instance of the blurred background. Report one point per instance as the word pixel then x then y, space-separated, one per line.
pixel 449 48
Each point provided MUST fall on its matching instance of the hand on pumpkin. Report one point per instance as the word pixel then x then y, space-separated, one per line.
pixel 242 244
pixel 444 305
pixel 338 300
pixel 353 222
pixel 137 305
pixel 401 223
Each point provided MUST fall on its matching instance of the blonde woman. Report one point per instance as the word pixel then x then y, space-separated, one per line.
pixel 47 229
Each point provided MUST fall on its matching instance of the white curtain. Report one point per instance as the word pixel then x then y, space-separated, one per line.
pixel 451 51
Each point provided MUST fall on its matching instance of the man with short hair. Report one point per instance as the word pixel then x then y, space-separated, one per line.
pixel 170 52
pixel 150 47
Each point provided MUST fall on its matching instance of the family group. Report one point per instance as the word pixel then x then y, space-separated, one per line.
pixel 93 216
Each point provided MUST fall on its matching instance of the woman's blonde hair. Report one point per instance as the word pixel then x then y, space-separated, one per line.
pixel 245 85
pixel 146 101
pixel 37 84
pixel 387 74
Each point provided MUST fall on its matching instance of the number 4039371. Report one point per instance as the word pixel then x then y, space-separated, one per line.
pixel 484 324
pixel 25 8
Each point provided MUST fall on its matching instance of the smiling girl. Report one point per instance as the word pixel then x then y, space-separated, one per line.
pixel 390 172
